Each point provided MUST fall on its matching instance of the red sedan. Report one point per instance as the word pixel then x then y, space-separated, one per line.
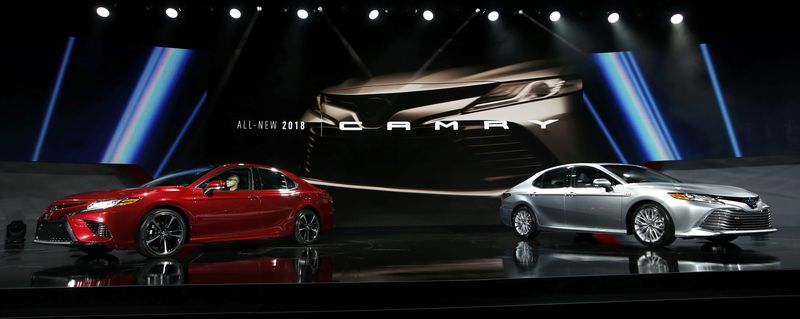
pixel 201 205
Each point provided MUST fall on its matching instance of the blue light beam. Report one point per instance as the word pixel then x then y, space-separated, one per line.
pixel 51 105
pixel 723 108
pixel 180 135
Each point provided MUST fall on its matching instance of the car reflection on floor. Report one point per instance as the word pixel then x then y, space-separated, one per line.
pixel 588 255
pixel 265 265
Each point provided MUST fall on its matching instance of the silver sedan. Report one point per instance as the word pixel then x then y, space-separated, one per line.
pixel 632 200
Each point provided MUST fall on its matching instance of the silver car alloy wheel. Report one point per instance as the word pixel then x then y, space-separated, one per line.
pixel 308 226
pixel 164 232
pixel 649 223
pixel 523 222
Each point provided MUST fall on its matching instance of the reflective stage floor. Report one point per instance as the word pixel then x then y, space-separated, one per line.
pixel 396 254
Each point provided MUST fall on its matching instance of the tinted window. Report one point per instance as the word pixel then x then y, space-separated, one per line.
pixel 636 174
pixel 274 180
pixel 552 179
pixel 585 175
pixel 236 179
pixel 179 178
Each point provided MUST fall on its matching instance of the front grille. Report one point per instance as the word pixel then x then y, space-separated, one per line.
pixel 52 232
pixel 752 202
pixel 470 157
pixel 729 220
pixel 98 228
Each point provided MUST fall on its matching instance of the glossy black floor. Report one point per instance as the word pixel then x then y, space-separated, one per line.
pixel 396 254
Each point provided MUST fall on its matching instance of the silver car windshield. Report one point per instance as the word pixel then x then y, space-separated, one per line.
pixel 636 174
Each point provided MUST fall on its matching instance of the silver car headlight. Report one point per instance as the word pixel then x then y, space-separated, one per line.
pixel 696 198
pixel 104 204
pixel 512 93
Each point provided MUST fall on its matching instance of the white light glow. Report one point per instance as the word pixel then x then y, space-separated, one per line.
pixel 428 15
pixel 676 18
pixel 172 13
pixel 613 18
pixel 235 13
pixel 103 12
pixel 302 14
pixel 555 16
pixel 493 16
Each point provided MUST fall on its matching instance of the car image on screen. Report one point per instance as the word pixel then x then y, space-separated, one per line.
pixel 632 200
pixel 208 204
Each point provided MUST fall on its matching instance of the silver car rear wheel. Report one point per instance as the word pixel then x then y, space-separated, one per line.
pixel 525 222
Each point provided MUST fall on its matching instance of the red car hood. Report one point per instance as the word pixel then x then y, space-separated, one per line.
pixel 110 194
pixel 78 202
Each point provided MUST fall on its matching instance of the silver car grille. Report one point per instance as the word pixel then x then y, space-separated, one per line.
pixel 728 220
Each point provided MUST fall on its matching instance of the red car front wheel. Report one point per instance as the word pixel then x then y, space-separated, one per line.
pixel 161 233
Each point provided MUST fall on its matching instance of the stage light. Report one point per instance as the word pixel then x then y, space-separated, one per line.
pixel 319 9
pixel 103 12
pixel 374 14
pixel 676 18
pixel 493 16
pixel 235 13
pixel 428 15
pixel 302 14
pixel 258 8
pixel 613 17
pixel 172 13
pixel 555 16
pixel 477 10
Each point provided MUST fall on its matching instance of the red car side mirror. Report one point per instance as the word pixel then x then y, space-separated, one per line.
pixel 214 186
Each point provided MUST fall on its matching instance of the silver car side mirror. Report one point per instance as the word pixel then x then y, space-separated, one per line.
pixel 602 182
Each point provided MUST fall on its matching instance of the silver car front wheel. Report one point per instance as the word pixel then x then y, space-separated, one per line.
pixel 652 225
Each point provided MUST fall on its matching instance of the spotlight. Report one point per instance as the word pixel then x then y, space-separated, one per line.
pixel 676 18
pixel 374 14
pixel 555 16
pixel 613 17
pixel 319 9
pixel 103 12
pixel 235 13
pixel 302 14
pixel 172 13
pixel 520 11
pixel 477 10
pixel 428 15
pixel 493 16
pixel 258 8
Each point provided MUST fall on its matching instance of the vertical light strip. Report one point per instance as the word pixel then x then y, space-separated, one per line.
pixel 178 139
pixel 605 130
pixel 53 97
pixel 654 107
pixel 152 92
pixel 723 108
pixel 637 103
pixel 633 106
pixel 131 106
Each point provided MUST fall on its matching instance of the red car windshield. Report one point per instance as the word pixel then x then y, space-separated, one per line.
pixel 179 178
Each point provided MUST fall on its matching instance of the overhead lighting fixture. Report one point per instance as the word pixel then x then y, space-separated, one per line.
pixel 302 14
pixel 103 12
pixel 172 13
pixel 477 10
pixel 258 8
pixel 676 18
pixel 613 17
pixel 235 13
pixel 428 15
pixel 493 16
pixel 374 14
pixel 555 16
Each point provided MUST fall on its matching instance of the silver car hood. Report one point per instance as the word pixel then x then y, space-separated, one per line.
pixel 707 189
